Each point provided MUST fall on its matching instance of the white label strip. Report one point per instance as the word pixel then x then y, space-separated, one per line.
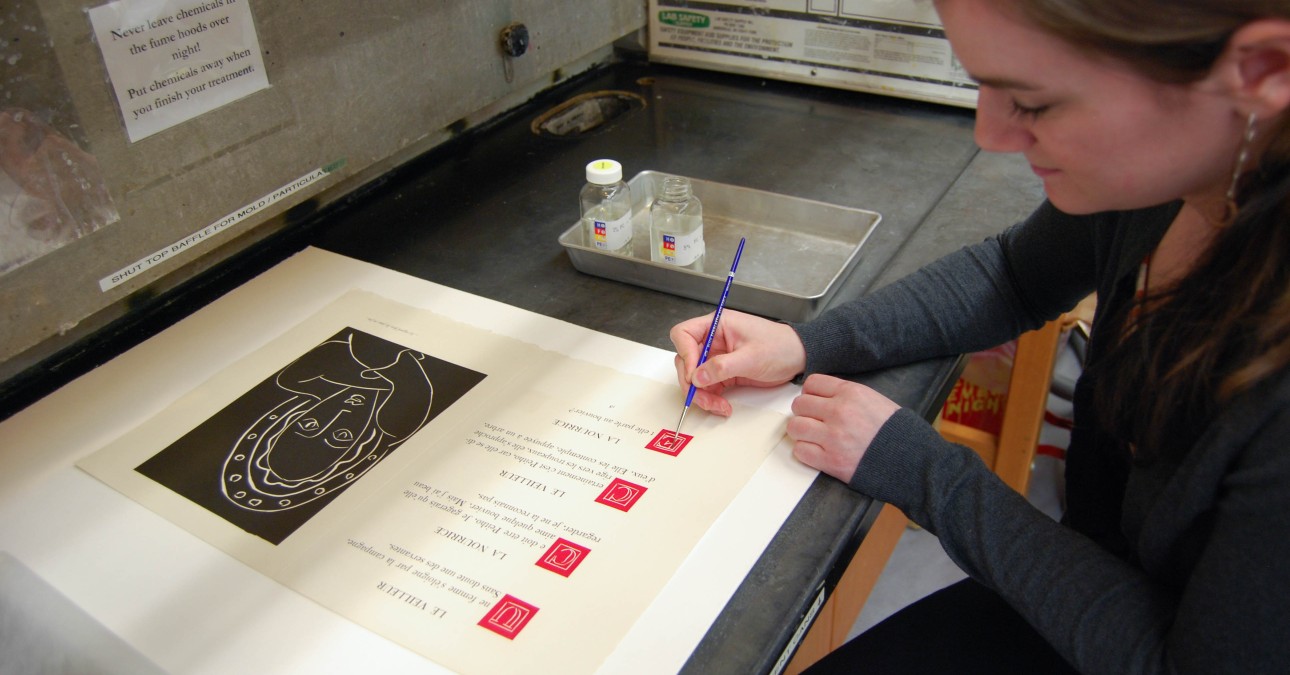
pixel 126 273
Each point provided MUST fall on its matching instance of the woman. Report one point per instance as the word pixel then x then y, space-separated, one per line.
pixel 1160 132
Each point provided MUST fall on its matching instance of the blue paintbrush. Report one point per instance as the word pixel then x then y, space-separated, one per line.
pixel 712 331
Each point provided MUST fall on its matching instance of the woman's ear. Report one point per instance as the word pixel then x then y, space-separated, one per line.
pixel 1257 57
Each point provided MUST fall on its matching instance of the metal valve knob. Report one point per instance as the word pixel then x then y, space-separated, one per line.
pixel 515 40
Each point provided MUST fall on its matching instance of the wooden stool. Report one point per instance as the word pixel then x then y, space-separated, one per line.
pixel 1011 452
pixel 835 619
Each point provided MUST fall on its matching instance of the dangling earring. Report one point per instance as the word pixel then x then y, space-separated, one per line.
pixel 1230 207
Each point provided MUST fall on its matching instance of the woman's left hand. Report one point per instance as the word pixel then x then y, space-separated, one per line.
pixel 834 423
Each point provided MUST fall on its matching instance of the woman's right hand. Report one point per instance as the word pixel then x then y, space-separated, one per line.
pixel 746 350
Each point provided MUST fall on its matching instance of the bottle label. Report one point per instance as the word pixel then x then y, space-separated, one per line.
pixel 682 249
pixel 611 235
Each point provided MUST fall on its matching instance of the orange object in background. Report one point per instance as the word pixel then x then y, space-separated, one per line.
pixel 981 392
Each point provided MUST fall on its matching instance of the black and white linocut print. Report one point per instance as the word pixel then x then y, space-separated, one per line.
pixel 282 451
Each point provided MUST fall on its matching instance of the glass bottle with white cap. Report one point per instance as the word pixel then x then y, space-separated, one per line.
pixel 607 208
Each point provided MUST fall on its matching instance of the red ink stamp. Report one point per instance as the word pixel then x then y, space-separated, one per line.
pixel 669 443
pixel 508 617
pixel 620 494
pixel 563 557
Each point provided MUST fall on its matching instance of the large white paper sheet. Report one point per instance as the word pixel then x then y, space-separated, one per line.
pixel 152 578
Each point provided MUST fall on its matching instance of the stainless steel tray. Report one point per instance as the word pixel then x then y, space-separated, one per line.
pixel 797 254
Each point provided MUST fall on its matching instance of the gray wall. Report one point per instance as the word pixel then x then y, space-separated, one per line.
pixel 370 83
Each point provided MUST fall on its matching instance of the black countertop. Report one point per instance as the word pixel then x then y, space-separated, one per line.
pixel 484 215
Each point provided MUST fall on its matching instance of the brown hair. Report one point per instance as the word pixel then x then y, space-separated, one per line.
pixel 1225 327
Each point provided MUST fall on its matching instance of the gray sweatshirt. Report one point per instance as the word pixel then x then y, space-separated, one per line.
pixel 1156 567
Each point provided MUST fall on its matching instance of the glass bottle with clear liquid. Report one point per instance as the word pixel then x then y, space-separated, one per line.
pixel 607 208
pixel 676 225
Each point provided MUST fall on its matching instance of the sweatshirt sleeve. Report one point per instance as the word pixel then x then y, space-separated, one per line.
pixel 973 299
pixel 1102 613
pixel 1046 571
